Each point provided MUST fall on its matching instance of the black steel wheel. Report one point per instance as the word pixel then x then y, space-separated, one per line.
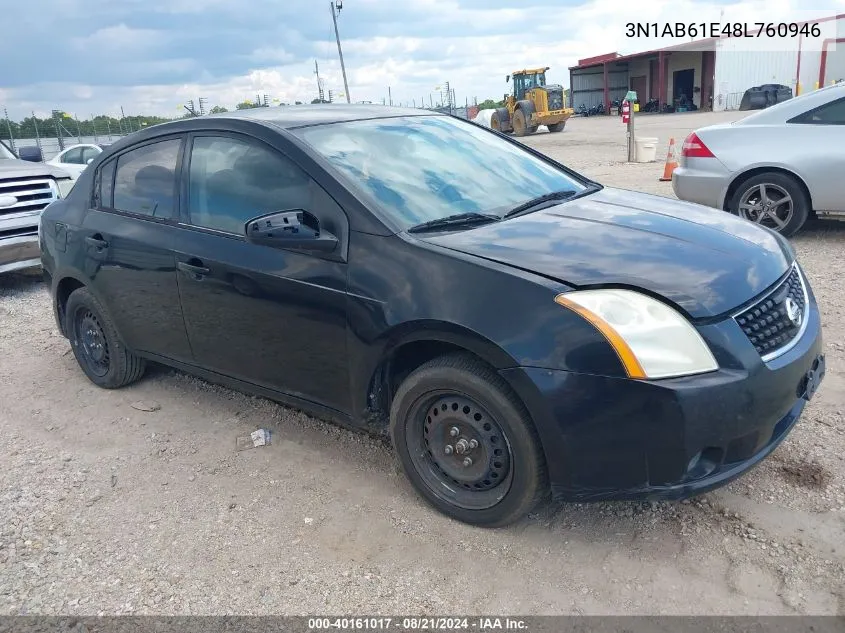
pixel 96 344
pixel 774 200
pixel 93 346
pixel 459 449
pixel 556 127
pixel 467 443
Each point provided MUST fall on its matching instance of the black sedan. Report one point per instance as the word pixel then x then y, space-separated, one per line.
pixel 516 328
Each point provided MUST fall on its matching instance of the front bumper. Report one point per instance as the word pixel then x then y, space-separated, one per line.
pixel 618 439
pixel 17 253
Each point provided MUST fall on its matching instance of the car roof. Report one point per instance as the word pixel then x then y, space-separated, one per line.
pixel 785 110
pixel 315 114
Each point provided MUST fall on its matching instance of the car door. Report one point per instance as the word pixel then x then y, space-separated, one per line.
pixel 127 240
pixel 824 126
pixel 272 317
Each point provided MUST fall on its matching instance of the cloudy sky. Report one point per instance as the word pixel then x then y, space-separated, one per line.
pixel 150 56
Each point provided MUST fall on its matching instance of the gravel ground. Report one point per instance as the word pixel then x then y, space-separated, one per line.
pixel 108 508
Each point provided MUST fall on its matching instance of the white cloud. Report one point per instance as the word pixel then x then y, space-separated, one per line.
pixel 471 44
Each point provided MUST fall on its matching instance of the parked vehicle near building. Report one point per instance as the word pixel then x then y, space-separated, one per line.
pixel 26 188
pixel 517 330
pixel 76 158
pixel 776 167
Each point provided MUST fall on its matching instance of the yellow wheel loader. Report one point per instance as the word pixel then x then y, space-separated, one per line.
pixel 532 104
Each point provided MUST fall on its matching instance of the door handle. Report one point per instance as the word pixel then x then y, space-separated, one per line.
pixel 96 242
pixel 192 269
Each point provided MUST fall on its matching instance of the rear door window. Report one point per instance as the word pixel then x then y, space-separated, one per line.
pixel 106 185
pixel 145 179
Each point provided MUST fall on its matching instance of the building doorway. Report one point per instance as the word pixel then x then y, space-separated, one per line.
pixel 683 82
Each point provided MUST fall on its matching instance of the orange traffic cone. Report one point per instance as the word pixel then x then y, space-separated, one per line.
pixel 671 162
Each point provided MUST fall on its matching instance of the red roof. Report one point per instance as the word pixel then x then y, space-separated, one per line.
pixel 598 59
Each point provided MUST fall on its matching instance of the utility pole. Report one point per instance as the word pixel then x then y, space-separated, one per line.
pixel 37 134
pixel 9 127
pixel 319 83
pixel 389 95
pixel 339 5
pixel 202 101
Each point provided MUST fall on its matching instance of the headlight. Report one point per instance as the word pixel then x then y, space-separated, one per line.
pixel 54 187
pixel 651 339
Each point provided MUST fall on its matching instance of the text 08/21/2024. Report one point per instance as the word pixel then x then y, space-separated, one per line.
pixel 718 29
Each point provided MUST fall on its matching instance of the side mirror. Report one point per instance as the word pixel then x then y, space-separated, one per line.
pixel 290 229
pixel 89 161
pixel 31 153
pixel 507 79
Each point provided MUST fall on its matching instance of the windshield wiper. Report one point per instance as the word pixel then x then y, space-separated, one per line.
pixel 452 221
pixel 535 202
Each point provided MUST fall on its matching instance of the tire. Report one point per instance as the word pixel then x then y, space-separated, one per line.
pixel 495 123
pixel 508 477
pixel 519 125
pixel 556 127
pixel 746 202
pixel 96 344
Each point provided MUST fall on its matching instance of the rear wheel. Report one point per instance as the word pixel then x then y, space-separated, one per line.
pixel 520 127
pixel 774 200
pixel 466 443
pixel 556 127
pixel 96 345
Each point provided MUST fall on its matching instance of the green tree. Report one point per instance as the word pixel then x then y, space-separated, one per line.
pixel 489 104
pixel 218 110
pixel 247 105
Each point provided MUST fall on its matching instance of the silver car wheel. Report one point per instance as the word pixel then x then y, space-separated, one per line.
pixel 767 204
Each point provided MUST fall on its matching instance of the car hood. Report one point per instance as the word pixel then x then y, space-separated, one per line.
pixel 27 169
pixel 706 261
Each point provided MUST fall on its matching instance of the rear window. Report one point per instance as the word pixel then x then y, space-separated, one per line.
pixel 832 113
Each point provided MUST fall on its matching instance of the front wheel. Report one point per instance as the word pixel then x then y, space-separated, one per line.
pixel 556 127
pixel 495 123
pixel 520 126
pixel 774 200
pixel 466 443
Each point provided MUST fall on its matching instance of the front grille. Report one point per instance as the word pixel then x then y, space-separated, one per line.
pixel 30 195
pixel 555 99
pixel 768 325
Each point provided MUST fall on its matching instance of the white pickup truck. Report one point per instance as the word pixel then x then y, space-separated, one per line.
pixel 26 188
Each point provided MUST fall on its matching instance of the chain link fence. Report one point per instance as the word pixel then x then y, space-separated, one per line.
pixel 53 135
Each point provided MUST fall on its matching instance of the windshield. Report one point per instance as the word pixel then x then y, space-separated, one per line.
pixel 422 168
pixel 5 152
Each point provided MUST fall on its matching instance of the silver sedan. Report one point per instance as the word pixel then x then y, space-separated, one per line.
pixel 776 167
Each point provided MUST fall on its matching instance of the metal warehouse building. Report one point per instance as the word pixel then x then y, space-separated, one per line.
pixel 714 73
